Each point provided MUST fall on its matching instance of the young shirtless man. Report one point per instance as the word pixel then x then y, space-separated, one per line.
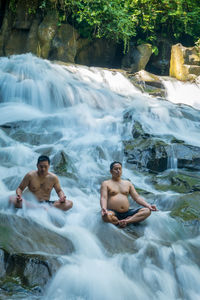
pixel 40 183
pixel 114 200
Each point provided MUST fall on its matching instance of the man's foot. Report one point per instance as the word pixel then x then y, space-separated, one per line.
pixel 122 223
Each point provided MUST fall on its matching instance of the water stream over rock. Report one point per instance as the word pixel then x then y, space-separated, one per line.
pixel 84 118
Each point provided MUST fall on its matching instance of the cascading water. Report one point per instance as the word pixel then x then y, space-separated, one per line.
pixel 48 108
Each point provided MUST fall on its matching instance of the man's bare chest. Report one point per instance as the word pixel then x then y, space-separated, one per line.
pixel 44 185
pixel 116 189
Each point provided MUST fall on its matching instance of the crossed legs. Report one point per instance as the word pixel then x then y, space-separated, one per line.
pixel 141 215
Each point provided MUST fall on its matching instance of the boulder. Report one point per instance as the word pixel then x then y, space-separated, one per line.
pixel 185 62
pixel 31 270
pixel 151 153
pixel 137 57
pixel 148 83
pixel 46 32
pixel 23 235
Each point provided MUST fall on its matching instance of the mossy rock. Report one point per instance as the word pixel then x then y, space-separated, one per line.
pixel 188 208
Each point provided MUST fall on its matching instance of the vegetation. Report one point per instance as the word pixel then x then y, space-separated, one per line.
pixel 125 20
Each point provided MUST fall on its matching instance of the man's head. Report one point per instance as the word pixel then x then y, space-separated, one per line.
pixel 43 164
pixel 116 169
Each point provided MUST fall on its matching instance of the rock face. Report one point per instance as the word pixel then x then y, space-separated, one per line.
pixel 185 62
pixel 151 153
pixel 24 27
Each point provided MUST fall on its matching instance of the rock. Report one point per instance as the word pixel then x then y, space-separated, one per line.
pixel 64 44
pixel 159 62
pixel 185 62
pixel 16 42
pixel 31 270
pixel 62 164
pixel 5 31
pixel 46 32
pixel 187 208
pixel 137 57
pixel 2 264
pixel 148 151
pixel 32 44
pixel 148 83
pixel 23 235
pixel 100 53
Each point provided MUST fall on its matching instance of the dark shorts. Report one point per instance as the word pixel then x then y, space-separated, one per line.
pixel 126 214
pixel 47 202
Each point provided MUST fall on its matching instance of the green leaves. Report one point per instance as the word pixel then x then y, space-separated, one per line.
pixel 122 20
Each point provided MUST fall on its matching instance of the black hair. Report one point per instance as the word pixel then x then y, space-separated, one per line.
pixel 113 163
pixel 43 158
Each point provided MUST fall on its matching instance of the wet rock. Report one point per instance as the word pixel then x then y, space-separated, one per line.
pixel 187 208
pixel 177 181
pixel 23 235
pixel 2 264
pixel 148 151
pixel 148 83
pixel 31 270
pixel 63 165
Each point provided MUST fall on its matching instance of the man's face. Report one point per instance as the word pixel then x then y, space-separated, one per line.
pixel 116 170
pixel 43 167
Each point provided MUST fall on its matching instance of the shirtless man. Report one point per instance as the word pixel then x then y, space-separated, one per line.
pixel 114 200
pixel 41 183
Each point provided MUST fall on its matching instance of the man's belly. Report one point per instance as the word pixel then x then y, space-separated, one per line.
pixel 41 195
pixel 119 203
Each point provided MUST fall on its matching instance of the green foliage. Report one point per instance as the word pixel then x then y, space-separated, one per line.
pixel 122 20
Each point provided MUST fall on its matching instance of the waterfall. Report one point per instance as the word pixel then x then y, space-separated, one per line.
pixel 47 108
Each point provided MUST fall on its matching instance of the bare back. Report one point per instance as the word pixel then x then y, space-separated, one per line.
pixel 40 186
pixel 118 192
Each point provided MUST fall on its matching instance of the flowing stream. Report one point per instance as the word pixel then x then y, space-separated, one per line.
pixel 50 109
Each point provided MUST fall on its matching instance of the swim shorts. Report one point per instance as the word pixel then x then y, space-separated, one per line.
pixel 126 214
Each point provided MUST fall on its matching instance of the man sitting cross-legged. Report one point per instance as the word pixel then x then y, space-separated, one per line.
pixel 40 183
pixel 114 200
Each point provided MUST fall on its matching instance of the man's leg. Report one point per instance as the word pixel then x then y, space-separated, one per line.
pixel 110 218
pixel 141 215
pixel 15 202
pixel 63 205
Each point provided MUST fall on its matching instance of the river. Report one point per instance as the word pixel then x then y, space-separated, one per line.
pixel 77 113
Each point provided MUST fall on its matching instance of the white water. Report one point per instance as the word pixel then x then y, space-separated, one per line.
pixel 80 112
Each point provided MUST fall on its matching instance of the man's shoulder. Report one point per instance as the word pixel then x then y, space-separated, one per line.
pixel 31 173
pixel 52 176
pixel 106 182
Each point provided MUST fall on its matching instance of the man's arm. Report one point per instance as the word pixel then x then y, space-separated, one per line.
pixel 59 191
pixel 104 198
pixel 135 196
pixel 25 182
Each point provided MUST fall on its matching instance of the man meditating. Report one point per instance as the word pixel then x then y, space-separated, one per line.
pixel 40 183
pixel 114 200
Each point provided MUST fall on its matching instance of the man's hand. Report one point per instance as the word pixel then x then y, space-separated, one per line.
pixel 104 212
pixel 19 198
pixel 152 207
pixel 62 199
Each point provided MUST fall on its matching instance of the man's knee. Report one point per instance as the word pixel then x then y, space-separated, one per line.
pixel 146 211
